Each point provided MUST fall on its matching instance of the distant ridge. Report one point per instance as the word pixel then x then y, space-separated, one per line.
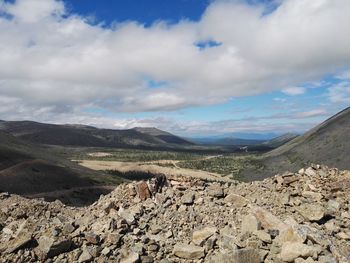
pixel 81 135
pixel 226 141
pixel 162 135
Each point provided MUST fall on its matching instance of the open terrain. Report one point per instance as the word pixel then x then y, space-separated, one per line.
pixel 298 217
pixel 326 143
pixel 29 169
pixel 183 206
pixel 152 168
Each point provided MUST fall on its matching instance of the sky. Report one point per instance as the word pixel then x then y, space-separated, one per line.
pixel 191 67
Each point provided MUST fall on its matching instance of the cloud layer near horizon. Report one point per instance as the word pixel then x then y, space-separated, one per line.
pixel 54 62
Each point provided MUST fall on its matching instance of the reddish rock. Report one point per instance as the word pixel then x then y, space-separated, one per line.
pixel 268 221
pixel 92 238
pixel 143 190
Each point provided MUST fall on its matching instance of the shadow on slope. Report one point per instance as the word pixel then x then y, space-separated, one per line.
pixel 32 170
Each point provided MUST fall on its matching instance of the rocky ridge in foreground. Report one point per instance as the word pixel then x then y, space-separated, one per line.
pixel 302 217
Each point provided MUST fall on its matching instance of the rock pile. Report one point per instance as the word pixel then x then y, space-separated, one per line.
pixel 301 217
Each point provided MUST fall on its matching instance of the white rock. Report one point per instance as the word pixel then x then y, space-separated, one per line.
pixel 188 251
pixel 250 224
pixel 200 236
pixel 131 258
pixel 292 250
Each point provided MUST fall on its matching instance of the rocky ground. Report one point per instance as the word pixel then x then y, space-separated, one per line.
pixel 303 217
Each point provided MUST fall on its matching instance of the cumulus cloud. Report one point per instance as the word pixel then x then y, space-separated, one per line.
pixel 293 91
pixel 345 75
pixel 33 11
pixel 195 128
pixel 340 93
pixel 55 62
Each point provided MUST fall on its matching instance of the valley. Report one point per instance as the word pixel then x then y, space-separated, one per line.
pixel 179 131
pixel 108 189
pixel 45 157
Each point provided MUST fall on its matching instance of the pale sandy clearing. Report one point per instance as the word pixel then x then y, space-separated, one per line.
pixel 99 154
pixel 151 168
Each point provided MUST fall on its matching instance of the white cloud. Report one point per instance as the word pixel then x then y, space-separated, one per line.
pixel 195 128
pixel 50 63
pixel 293 91
pixel 345 75
pixel 340 93
pixel 31 11
pixel 280 99
pixel 311 113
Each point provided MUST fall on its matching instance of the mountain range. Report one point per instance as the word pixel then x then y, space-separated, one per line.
pixel 29 165
pixel 88 136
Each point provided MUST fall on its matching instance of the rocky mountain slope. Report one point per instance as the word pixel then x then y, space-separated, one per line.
pixel 301 217
pixel 280 140
pixel 28 169
pixel 327 143
pixel 80 135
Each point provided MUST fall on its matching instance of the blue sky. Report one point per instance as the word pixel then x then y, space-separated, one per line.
pixel 192 67
pixel 145 12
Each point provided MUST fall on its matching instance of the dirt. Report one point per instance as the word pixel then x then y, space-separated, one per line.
pixel 152 168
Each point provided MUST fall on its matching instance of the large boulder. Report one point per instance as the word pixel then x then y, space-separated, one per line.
pixel 292 250
pixel 311 212
pixel 200 236
pixel 250 224
pixel 188 198
pixel 236 200
pixel 245 255
pixel 21 240
pixel 50 247
pixel 188 251
pixel 267 220
pixel 143 190
pixel 131 258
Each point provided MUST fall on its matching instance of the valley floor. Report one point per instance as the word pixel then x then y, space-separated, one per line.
pixel 153 168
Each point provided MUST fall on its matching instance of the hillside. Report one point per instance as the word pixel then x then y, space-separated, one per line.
pixel 162 135
pixel 30 169
pixel 299 217
pixel 327 143
pixel 280 140
pixel 80 135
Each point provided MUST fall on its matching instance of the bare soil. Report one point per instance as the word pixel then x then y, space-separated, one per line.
pixel 152 167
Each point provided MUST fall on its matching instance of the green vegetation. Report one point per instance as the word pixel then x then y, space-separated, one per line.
pixel 225 165
pixel 107 179
pixel 125 155
pixel 131 175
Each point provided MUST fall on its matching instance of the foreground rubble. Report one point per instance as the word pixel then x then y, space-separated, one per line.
pixel 302 217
